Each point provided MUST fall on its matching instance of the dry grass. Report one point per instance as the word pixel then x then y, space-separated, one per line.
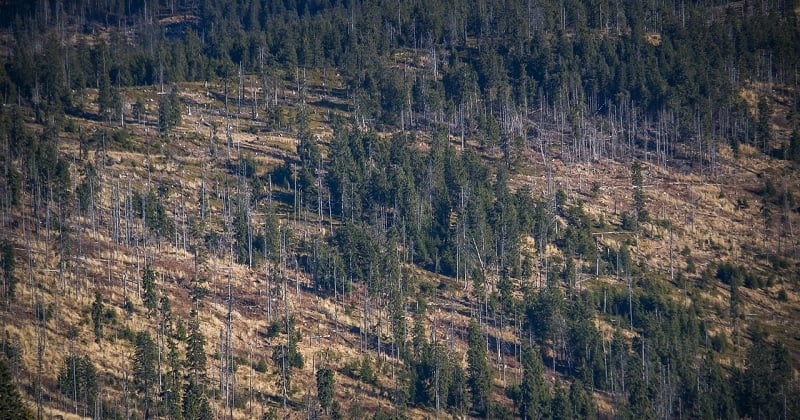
pixel 703 214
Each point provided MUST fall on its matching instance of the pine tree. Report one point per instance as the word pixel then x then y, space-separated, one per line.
pixel 144 370
pixel 325 388
pixel 169 111
pixel 9 280
pixel 195 350
pixel 479 378
pixel 149 285
pixel 793 152
pixel 11 404
pixel 77 379
pixel 172 382
pixel 195 403
pixel 534 396
pixel 97 316
pixel 637 179
pixel 560 405
pixel 581 401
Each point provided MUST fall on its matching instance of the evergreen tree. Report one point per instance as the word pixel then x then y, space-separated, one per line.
pixel 144 370
pixel 195 350
pixel 637 179
pixel 172 382
pixel 8 264
pixel 11 404
pixel 534 396
pixel 149 295
pixel 14 184
pixel 108 98
pixel 195 402
pixel 169 111
pixel 581 401
pixel 763 385
pixel 77 379
pixel 793 152
pixel 325 388
pixel 479 378
pixel 560 406
pixel 97 316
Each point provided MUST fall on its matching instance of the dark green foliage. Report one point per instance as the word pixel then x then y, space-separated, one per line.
pixel 144 371
pixel 544 313
pixel 715 393
pixel 581 401
pixel 149 290
pixel 14 183
pixel 366 372
pixel 89 188
pixel 422 364
pixel 534 397
pixel 172 382
pixel 325 387
pixel 327 269
pixel 285 356
pixel 762 387
pixel 195 351
pixel 8 265
pixel 109 101
pixel 11 403
pixel 195 402
pixel 793 151
pixel 479 377
pixel 97 316
pixel 561 407
pixel 151 208
pixel 637 180
pixel 242 235
pixel 77 379
pixel 169 111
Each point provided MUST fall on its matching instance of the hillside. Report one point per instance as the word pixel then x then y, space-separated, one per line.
pixel 392 209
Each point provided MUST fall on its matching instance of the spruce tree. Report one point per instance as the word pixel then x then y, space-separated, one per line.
pixel 77 379
pixel 534 396
pixel 195 350
pixel 97 316
pixel 11 404
pixel 144 370
pixel 195 402
pixel 637 179
pixel 149 285
pixel 479 378
pixel 9 280
pixel 325 388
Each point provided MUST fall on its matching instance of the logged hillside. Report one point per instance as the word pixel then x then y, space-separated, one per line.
pixel 399 209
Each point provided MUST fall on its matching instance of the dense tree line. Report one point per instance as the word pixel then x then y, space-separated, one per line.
pixel 488 64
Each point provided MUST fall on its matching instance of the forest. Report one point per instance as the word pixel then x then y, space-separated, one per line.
pixel 399 209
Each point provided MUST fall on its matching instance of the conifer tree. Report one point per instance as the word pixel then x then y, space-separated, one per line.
pixel 11 404
pixel 149 285
pixel 534 396
pixel 195 350
pixel 479 378
pixel 97 316
pixel 77 379
pixel 637 179
pixel 144 370
pixel 9 280
pixel 325 388
pixel 195 402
